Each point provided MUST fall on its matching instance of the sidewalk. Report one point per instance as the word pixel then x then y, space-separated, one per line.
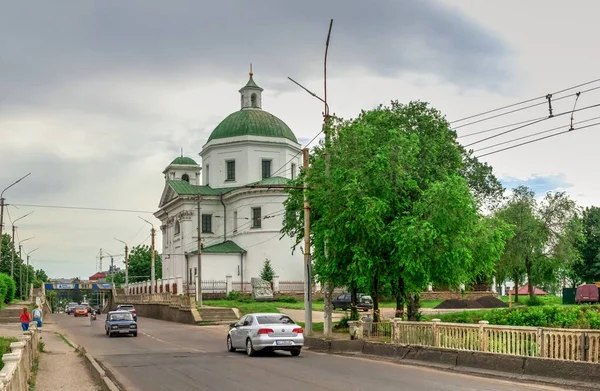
pixel 60 366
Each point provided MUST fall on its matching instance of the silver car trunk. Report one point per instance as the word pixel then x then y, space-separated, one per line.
pixel 280 330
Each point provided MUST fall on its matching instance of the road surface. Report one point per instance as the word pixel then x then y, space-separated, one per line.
pixel 172 356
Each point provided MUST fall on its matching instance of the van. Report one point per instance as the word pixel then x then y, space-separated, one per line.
pixel 587 293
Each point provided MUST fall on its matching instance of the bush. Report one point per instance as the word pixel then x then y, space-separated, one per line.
pixel 534 301
pixel 11 287
pixel 238 296
pixel 287 299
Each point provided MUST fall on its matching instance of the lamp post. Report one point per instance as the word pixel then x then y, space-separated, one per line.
pixel 21 266
pixel 153 270
pixel 12 256
pixel 126 264
pixel 27 277
pixel 2 208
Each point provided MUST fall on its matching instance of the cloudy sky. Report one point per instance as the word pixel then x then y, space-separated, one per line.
pixel 96 98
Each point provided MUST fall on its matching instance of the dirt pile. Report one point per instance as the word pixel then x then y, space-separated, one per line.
pixel 482 302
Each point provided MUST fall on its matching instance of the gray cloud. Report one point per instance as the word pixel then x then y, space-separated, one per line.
pixel 49 46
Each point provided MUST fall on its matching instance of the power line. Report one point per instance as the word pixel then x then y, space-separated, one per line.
pixel 531 123
pixel 534 134
pixel 84 208
pixel 500 127
pixel 298 153
pixel 523 102
pixel 536 140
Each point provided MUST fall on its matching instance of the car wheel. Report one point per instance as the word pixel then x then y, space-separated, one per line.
pixel 110 335
pixel 230 344
pixel 135 334
pixel 249 348
pixel 334 308
pixel 295 352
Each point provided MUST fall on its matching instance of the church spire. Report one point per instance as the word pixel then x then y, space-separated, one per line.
pixel 251 93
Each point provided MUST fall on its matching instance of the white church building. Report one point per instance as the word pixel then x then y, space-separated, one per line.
pixel 238 185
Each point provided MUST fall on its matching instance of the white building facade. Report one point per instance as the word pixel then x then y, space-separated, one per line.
pixel 248 159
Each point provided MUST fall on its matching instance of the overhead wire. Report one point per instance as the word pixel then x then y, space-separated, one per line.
pixel 532 123
pixel 538 139
pixel 83 208
pixel 298 153
pixel 524 102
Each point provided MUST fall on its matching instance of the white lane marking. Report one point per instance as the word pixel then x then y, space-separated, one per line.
pixel 170 343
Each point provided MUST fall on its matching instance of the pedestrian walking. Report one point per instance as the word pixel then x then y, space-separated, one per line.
pixel 37 316
pixel 25 319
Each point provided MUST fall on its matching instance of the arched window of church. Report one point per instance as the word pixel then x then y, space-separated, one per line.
pixel 177 228
pixel 185 177
pixel 253 100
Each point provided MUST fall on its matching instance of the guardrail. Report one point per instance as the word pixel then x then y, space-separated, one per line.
pixel 558 344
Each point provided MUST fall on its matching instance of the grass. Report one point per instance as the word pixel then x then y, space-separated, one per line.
pixel 65 340
pixel 5 347
pixel 34 372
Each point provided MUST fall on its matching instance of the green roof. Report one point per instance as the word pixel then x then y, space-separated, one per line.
pixel 227 247
pixel 252 122
pixel 274 180
pixel 184 161
pixel 251 84
pixel 185 188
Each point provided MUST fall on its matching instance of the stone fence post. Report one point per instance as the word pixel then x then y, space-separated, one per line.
pixel 179 281
pixel 228 284
pixel 396 329
pixel 435 332
pixel 483 340
pixel 276 284
pixel 356 329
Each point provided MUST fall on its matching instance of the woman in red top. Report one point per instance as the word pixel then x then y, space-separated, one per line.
pixel 25 319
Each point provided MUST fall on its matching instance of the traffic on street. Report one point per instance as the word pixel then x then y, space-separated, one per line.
pixel 173 356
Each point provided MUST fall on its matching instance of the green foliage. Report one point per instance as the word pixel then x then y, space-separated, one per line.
pixel 267 273
pixel 572 317
pixel 140 264
pixel 5 347
pixel 11 288
pixel 534 301
pixel 238 296
pixel 287 299
pixel 588 246
pixel 117 278
pixel 400 206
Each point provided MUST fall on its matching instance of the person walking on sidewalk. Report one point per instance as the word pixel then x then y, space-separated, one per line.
pixel 37 316
pixel 25 319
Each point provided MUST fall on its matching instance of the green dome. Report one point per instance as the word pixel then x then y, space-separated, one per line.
pixel 184 161
pixel 252 123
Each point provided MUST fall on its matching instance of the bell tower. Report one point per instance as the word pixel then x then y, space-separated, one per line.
pixel 251 94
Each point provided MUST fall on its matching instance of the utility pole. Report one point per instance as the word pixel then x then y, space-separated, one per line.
pixel 12 256
pixel 27 276
pixel 100 261
pixel 2 203
pixel 152 260
pixel 307 254
pixel 21 267
pixel 126 262
pixel 199 275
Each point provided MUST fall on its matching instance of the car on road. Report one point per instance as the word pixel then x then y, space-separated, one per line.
pixel 344 301
pixel 70 308
pixel 128 307
pixel 120 323
pixel 87 305
pixel 81 310
pixel 265 332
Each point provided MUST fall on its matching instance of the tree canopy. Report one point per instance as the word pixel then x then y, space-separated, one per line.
pixel 401 205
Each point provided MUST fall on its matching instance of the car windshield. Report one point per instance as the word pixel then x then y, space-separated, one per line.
pixel 126 307
pixel 274 319
pixel 121 317
pixel 81 307
pixel 72 304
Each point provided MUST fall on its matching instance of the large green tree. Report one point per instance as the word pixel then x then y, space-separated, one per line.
pixel 140 261
pixel 400 206
pixel 588 245
pixel 546 233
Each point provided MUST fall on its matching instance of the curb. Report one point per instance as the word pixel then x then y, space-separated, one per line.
pixel 97 371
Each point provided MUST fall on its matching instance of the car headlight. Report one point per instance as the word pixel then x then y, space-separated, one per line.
pixel 133 326
pixel 114 327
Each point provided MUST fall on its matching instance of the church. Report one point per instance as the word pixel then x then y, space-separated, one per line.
pixel 235 193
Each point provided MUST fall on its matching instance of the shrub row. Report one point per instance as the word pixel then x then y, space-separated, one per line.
pixel 8 288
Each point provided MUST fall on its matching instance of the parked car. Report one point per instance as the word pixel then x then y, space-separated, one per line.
pixel 81 310
pixel 587 293
pixel 344 301
pixel 120 323
pixel 128 307
pixel 70 308
pixel 265 332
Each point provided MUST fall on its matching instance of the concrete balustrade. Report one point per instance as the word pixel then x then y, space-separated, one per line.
pixel 18 364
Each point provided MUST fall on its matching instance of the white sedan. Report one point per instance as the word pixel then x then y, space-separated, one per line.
pixel 265 332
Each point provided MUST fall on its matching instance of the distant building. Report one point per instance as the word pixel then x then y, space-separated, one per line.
pixel 98 277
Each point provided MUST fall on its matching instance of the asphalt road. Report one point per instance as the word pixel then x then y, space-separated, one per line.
pixel 172 356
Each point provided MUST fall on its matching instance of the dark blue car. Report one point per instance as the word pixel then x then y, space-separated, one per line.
pixel 120 323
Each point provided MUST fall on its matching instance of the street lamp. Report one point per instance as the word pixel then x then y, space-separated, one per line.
pixel 2 208
pixel 153 270
pixel 27 278
pixel 21 266
pixel 126 263
pixel 12 256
